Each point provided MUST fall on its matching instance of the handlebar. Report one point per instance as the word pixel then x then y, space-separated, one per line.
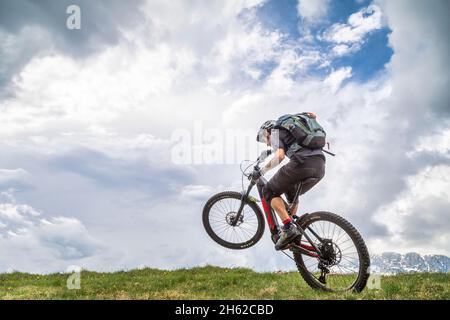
pixel 264 155
pixel 256 173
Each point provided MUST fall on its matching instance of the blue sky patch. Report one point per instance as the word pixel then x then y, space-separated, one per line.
pixel 367 62
pixel 280 15
pixel 370 59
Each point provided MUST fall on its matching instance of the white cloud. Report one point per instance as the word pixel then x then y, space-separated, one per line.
pixel 13 177
pixel 340 50
pixel 197 191
pixel 95 134
pixel 250 48
pixel 436 143
pixel 32 243
pixel 418 216
pixel 358 26
pixel 17 49
pixel 88 126
pixel 335 79
pixel 312 10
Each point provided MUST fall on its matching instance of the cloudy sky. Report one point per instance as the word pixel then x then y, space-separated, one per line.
pixel 88 119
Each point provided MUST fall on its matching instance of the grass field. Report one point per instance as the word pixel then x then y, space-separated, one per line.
pixel 210 283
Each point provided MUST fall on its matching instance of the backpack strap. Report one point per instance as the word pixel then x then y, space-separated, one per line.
pixel 330 153
pixel 293 149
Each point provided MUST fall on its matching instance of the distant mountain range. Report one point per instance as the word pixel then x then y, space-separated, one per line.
pixel 392 262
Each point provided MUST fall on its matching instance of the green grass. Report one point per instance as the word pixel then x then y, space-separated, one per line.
pixel 210 283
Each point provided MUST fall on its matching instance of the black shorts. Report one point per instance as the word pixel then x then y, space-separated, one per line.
pixel 287 179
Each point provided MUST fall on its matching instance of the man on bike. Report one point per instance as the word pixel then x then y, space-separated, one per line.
pixel 304 163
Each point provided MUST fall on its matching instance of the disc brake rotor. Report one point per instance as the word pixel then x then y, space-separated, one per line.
pixel 330 255
pixel 231 218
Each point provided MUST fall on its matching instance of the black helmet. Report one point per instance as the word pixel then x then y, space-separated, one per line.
pixel 268 125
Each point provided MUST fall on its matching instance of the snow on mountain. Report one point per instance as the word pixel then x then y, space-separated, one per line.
pixel 392 262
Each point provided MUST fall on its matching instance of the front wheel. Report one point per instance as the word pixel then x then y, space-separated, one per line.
pixel 344 261
pixel 219 214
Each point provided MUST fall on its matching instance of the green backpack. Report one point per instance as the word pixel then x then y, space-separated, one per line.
pixel 307 132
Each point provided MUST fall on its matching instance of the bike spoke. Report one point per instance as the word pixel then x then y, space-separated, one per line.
pixel 225 209
pixel 346 264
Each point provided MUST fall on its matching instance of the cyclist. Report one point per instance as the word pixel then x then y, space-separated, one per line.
pixel 304 163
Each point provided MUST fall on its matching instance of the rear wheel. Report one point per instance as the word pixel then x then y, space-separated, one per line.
pixel 219 214
pixel 344 262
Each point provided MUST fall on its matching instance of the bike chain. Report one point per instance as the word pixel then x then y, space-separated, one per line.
pixel 287 255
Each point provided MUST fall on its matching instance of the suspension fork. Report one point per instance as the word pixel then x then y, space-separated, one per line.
pixel 241 207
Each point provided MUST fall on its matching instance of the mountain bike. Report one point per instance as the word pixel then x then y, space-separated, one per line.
pixel 330 254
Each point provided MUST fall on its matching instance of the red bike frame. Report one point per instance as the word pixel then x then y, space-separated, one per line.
pixel 274 226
